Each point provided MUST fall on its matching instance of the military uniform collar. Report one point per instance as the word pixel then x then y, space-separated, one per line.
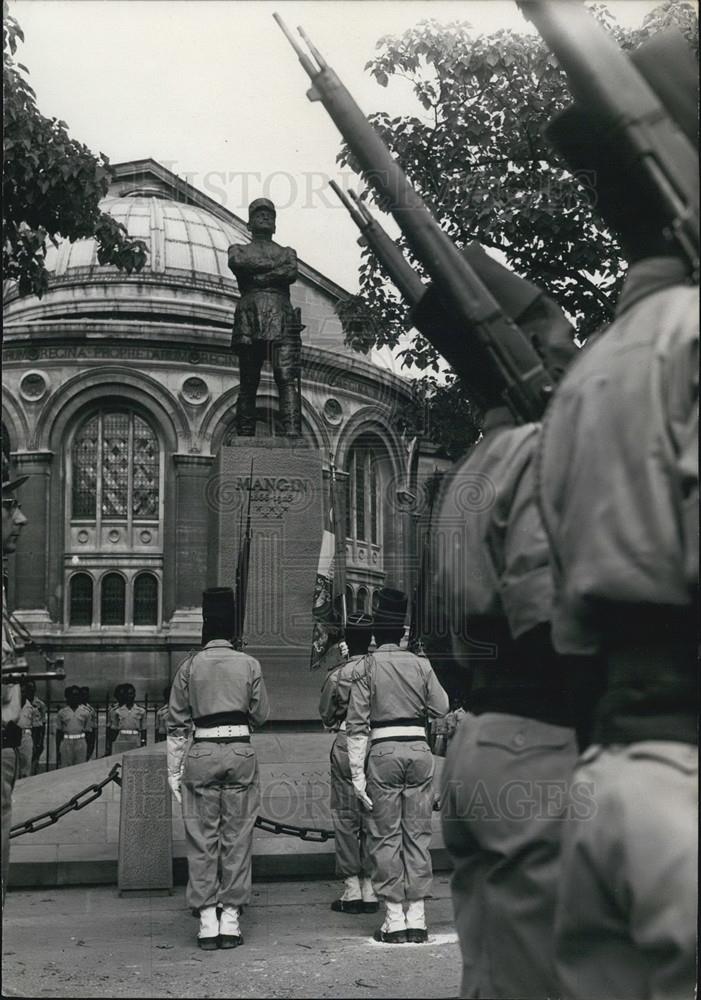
pixel 218 643
pixel 388 645
pixel 649 276
pixel 498 416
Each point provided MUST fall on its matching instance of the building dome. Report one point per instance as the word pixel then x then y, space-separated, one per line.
pixel 182 240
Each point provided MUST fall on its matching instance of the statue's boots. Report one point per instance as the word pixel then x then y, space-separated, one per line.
pixel 416 932
pixel 393 930
pixel 208 934
pixel 352 899
pixel 371 903
pixel 229 931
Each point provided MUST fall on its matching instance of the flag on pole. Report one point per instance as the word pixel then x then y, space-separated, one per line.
pixel 329 590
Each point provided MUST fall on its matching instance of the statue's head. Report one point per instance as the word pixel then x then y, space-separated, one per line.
pixel 261 217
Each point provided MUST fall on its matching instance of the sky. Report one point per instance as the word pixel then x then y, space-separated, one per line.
pixel 212 90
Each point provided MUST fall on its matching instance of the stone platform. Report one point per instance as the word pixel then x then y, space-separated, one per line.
pixel 82 847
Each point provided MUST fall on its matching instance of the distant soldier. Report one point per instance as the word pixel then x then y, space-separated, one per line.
pixel 25 720
pixel 349 819
pixel 220 692
pixel 162 717
pixel 619 494
pixel 92 735
pixel 73 723
pixel 13 520
pixel 520 733
pixel 393 695
pixel 127 722
pixel 266 327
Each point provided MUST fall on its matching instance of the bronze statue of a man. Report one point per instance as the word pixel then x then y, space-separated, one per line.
pixel 266 326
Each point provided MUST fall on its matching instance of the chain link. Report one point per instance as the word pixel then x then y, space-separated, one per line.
pixel 52 816
pixel 79 801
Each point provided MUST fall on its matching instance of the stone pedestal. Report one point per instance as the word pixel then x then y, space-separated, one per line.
pixel 286 526
pixel 145 831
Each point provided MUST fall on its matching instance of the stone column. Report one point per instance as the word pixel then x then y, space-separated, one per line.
pixel 32 589
pixel 189 552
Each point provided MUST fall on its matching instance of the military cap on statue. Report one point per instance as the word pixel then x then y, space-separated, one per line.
pixel 9 485
pixel 259 203
pixel 587 144
pixel 389 607
pixel 218 613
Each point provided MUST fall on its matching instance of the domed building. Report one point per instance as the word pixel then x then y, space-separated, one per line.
pixel 118 393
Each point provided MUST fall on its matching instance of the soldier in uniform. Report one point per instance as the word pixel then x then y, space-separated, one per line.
pixel 162 717
pixel 25 721
pixel 127 722
pixel 220 692
pixel 519 732
pixel 13 520
pixel 349 820
pixel 393 695
pixel 73 723
pixel 266 327
pixel 92 735
pixel 619 495
pixel 38 724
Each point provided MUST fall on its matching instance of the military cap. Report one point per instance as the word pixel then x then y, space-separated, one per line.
pixel 259 203
pixel 218 613
pixel 72 689
pixel 390 607
pixel 9 485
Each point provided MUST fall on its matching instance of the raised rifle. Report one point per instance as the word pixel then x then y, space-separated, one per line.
pixel 242 567
pixel 16 673
pixel 603 78
pixel 515 367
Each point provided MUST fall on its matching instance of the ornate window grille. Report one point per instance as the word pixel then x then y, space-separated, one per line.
pixel 81 599
pixel 145 599
pixel 112 599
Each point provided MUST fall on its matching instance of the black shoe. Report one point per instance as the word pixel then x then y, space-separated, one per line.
pixel 348 906
pixel 208 943
pixel 370 907
pixel 416 935
pixel 390 937
pixel 230 940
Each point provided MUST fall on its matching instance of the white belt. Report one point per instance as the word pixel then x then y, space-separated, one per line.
pixel 392 732
pixel 74 736
pixel 342 727
pixel 129 732
pixel 220 732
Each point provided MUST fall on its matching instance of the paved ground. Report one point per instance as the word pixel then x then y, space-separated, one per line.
pixel 87 942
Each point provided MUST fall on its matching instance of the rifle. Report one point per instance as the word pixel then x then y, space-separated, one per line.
pixel 383 246
pixel 514 363
pixel 339 549
pixel 603 77
pixel 242 566
pixel 17 673
pixel 419 599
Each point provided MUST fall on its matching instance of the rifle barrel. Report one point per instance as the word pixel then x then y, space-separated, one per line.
pixel 526 384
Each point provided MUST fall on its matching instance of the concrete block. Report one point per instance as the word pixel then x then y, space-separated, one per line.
pixel 145 828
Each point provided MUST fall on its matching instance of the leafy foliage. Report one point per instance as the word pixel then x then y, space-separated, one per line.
pixel 476 154
pixel 52 185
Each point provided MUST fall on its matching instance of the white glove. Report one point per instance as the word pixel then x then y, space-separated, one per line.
pixel 343 648
pixel 360 789
pixel 174 780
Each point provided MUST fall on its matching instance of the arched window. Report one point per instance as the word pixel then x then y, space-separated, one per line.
pixel 115 468
pixel 81 605
pixel 112 599
pixel 349 598
pixel 361 601
pixel 145 599
pixel 363 497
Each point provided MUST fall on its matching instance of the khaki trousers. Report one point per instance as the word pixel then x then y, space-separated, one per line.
pixel 504 799
pixel 221 798
pixel 73 752
pixel 349 820
pixel 9 773
pixel 25 753
pixel 399 782
pixel 626 911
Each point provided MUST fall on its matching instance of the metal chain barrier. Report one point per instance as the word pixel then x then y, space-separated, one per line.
pixel 52 816
pixel 92 792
